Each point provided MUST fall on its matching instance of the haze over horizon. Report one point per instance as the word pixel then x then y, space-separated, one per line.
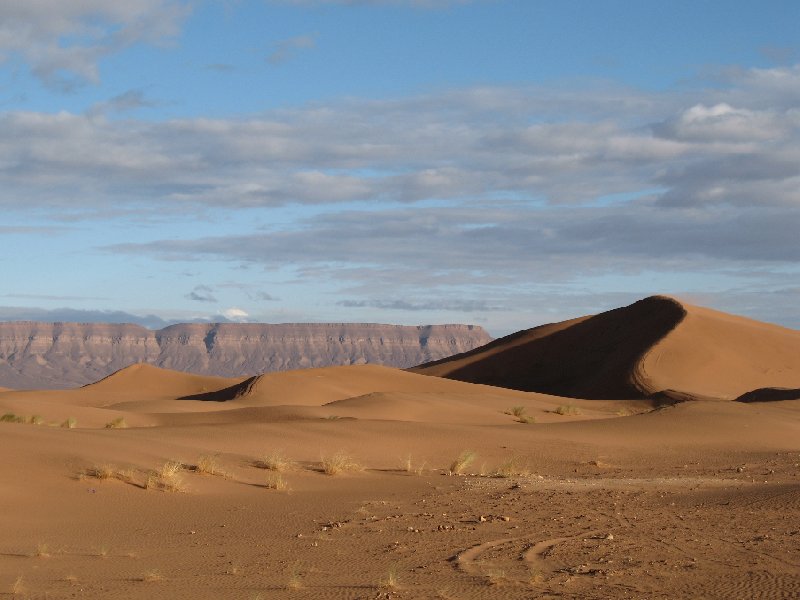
pixel 502 163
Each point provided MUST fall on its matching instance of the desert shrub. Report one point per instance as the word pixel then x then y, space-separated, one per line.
pixel 568 409
pixel 275 481
pixel 517 411
pixel 167 478
pixel 151 576
pixel 277 461
pixel 208 464
pixel 12 418
pixel 36 420
pixel 465 459
pixel 513 467
pixel 70 423
pixel 339 462
pixel 100 472
pixel 391 581
pixel 118 423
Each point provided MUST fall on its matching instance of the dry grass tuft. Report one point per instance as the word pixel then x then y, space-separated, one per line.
pixel 151 576
pixel 513 467
pixel 517 411
pixel 18 587
pixel 465 459
pixel 36 420
pixel 102 472
pixel 407 465
pixel 118 423
pixel 42 550
pixel 275 481
pixel 277 461
pixel 105 472
pixel 391 581
pixel 11 418
pixel 295 577
pixel 167 478
pixel 527 419
pixel 70 423
pixel 208 464
pixel 339 462
pixel 567 409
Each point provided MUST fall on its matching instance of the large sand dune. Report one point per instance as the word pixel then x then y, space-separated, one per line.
pixel 657 346
pixel 573 498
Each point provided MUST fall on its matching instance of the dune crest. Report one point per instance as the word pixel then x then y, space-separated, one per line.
pixel 657 346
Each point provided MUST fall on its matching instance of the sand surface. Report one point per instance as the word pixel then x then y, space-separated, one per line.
pixel 655 347
pixel 565 498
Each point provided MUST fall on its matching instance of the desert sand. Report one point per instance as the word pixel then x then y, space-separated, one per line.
pixel 631 471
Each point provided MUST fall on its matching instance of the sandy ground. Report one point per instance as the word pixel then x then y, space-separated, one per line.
pixel 613 499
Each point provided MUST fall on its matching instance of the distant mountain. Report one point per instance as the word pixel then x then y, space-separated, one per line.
pixel 58 355
pixel 656 346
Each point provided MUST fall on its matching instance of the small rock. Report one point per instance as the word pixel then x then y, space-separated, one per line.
pixel 610 536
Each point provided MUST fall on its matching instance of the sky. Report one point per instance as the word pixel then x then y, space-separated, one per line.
pixel 504 163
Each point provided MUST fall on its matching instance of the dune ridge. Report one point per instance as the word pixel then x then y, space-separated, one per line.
pixel 603 498
pixel 657 347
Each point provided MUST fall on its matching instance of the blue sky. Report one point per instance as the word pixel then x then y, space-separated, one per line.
pixel 504 163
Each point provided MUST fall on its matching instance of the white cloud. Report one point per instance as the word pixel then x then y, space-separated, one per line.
pixel 63 41
pixel 235 314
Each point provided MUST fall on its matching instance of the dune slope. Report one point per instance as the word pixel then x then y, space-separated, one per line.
pixel 656 346
pixel 589 357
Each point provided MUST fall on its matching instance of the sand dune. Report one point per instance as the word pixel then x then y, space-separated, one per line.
pixel 590 498
pixel 657 346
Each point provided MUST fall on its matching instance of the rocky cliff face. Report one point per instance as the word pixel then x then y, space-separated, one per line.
pixel 57 355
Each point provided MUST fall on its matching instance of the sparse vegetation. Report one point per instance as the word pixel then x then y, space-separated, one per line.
pixel 208 464
pixel 277 461
pixel 151 576
pixel 465 459
pixel 118 423
pixel 42 550
pixel 18 587
pixel 513 467
pixel 11 418
pixel 36 420
pixel 106 471
pixel 568 409
pixel 520 413
pixel 391 581
pixel 275 481
pixel 339 462
pixel 100 472
pixel 70 423
pixel 407 465
pixel 167 478
pixel 295 577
